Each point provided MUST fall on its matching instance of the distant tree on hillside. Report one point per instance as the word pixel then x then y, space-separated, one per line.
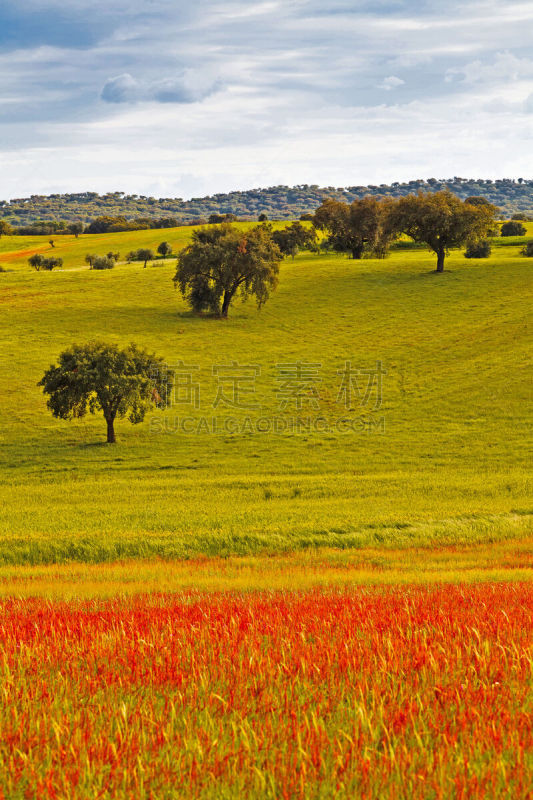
pixel 76 228
pixel 164 249
pixel 36 261
pixel 477 200
pixel 362 225
pixel 513 228
pixel 90 258
pixel 102 377
pixel 51 243
pixel 262 218
pixel 222 262
pixel 294 238
pixel 40 262
pixel 145 254
pixel 103 262
pixel 527 250
pixel 442 221
pixel 5 228
pixel 218 219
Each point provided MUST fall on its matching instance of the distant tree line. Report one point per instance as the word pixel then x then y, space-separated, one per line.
pixel 53 214
pixel 224 260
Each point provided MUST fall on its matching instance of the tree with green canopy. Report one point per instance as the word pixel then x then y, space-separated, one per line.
pixel 362 225
pixel 102 377
pixel 164 249
pixel 224 261
pixel 5 228
pixel 442 221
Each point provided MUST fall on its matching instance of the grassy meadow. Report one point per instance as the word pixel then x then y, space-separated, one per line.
pixel 444 460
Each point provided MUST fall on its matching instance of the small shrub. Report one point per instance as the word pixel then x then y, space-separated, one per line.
pixel 513 228
pixel 51 263
pixel 103 262
pixel 527 250
pixel 480 249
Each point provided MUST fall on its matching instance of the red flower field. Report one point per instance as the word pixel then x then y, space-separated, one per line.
pixel 371 693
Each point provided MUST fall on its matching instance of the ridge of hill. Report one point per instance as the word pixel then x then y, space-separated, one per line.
pixel 279 202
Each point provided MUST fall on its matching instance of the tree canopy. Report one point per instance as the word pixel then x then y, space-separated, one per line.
pixel 442 221
pixel 40 262
pixel 224 261
pixel 102 377
pixel 294 238
pixel 364 224
pixel 513 228
pixel 164 249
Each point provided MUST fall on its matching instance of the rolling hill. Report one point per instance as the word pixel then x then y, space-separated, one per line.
pixel 443 459
pixel 278 202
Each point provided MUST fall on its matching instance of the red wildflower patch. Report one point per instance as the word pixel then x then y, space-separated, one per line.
pixel 382 693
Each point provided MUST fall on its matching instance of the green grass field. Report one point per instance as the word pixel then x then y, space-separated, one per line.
pixel 449 464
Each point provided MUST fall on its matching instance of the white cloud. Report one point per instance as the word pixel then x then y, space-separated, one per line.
pixel 187 88
pixel 392 82
pixel 276 91
pixel 505 67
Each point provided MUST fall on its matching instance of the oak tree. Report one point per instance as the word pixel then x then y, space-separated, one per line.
pixel 102 377
pixel 222 262
pixel 442 221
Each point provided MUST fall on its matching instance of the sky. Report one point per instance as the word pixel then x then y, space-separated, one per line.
pixel 183 98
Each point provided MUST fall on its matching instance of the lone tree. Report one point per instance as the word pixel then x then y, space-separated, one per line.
pixel 365 224
pixel 5 228
pixel 101 377
pixel 90 258
pixel 76 228
pixel 224 261
pixel 164 249
pixel 144 254
pixel 442 221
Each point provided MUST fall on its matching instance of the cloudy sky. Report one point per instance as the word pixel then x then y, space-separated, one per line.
pixel 192 97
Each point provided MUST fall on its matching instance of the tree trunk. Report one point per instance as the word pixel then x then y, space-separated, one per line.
pixel 357 252
pixel 111 431
pixel 225 304
pixel 440 259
